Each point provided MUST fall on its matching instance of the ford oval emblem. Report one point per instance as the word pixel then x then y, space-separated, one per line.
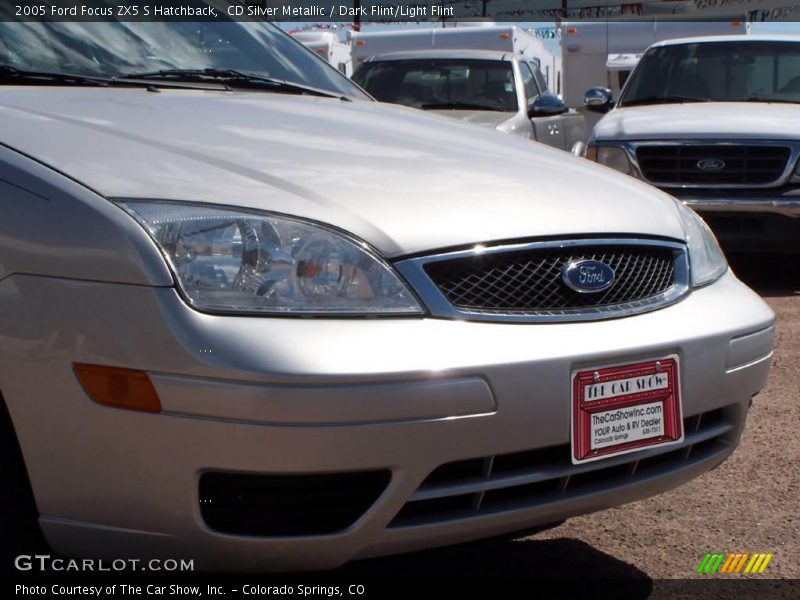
pixel 588 276
pixel 711 164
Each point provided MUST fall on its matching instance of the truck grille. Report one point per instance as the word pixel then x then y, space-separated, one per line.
pixel 530 281
pixel 492 484
pixel 712 164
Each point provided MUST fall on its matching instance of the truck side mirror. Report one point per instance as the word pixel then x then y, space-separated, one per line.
pixel 547 105
pixel 598 99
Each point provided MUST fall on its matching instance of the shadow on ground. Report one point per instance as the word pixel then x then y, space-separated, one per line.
pixel 528 558
pixel 768 274
pixel 561 558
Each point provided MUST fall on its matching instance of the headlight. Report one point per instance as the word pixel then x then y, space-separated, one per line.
pixel 236 261
pixel 610 156
pixel 706 260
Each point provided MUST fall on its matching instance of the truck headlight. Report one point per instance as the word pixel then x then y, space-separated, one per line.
pixel 241 261
pixel 706 260
pixel 610 156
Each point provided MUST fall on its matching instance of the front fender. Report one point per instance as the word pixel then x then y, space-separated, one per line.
pixel 53 226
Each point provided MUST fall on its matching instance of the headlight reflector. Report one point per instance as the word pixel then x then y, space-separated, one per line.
pixel 706 259
pixel 234 261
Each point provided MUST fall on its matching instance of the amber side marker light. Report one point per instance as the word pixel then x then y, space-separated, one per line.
pixel 117 387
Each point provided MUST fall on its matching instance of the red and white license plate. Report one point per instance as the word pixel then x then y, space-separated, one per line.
pixel 625 408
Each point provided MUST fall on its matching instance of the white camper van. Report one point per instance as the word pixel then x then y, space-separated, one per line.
pixel 328 46
pixel 603 53
pixel 464 36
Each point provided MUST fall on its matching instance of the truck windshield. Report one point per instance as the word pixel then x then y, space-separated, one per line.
pixel 441 83
pixel 742 71
pixel 115 49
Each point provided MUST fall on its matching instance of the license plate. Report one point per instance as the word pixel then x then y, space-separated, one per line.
pixel 624 408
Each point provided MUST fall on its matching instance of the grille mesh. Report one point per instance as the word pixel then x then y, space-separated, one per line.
pixel 529 282
pixel 676 164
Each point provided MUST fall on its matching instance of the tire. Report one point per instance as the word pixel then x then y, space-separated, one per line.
pixel 18 514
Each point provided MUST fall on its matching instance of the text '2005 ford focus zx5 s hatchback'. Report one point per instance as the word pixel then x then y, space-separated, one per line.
pixel 251 317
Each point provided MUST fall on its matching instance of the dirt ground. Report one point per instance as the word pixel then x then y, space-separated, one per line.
pixel 751 503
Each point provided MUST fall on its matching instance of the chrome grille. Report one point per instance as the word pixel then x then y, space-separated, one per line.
pixel 530 281
pixel 492 484
pixel 739 164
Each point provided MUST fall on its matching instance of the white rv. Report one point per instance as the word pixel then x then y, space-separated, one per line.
pixel 328 46
pixel 464 36
pixel 603 53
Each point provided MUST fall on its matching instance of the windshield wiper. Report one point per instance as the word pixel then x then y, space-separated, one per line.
pixel 229 78
pixel 663 100
pixel 10 74
pixel 459 106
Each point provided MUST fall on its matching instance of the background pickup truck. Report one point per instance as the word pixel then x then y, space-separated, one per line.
pixel 501 90
pixel 716 123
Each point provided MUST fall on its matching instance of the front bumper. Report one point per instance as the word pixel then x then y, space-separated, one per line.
pixel 307 396
pixel 768 222
pixel 783 206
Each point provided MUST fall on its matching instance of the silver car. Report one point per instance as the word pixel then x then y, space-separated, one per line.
pixel 250 317
pixel 488 88
pixel 714 121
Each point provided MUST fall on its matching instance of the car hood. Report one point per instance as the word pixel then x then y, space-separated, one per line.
pixel 404 181
pixel 483 118
pixel 706 120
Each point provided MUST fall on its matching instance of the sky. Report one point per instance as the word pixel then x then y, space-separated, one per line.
pixel 782 28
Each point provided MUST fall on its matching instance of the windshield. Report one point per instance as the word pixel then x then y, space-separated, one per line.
pixel 745 71
pixel 441 83
pixel 116 49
